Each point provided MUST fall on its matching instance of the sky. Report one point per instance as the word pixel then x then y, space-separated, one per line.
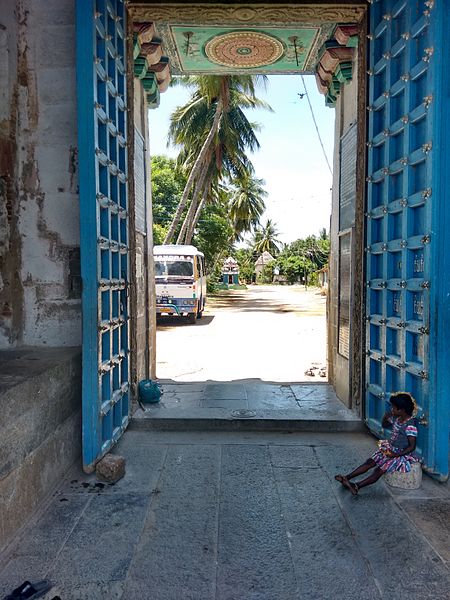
pixel 290 158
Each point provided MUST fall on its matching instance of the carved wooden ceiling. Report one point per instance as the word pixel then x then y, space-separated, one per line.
pixel 224 38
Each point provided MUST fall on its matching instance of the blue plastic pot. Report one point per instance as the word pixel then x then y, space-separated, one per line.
pixel 149 391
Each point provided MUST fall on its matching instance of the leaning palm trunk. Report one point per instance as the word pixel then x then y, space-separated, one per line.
pixel 193 207
pixel 189 216
pixel 194 172
pixel 201 204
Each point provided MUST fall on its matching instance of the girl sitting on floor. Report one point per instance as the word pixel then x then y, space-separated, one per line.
pixel 395 454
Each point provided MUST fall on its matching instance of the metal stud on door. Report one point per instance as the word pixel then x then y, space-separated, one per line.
pixel 401 261
pixel 102 126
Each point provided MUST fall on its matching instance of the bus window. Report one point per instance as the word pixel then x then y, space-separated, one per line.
pixel 182 268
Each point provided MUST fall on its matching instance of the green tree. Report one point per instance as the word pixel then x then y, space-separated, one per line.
pixel 213 235
pixel 293 267
pixel 247 203
pixel 265 239
pixel 304 257
pixel 246 262
pixel 315 249
pixel 159 233
pixel 266 274
pixel 167 187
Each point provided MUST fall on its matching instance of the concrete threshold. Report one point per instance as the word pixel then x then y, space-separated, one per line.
pixel 145 422
pixel 247 406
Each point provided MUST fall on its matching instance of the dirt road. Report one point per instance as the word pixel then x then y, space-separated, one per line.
pixel 272 333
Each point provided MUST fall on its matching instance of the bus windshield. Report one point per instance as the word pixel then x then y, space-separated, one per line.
pixel 173 268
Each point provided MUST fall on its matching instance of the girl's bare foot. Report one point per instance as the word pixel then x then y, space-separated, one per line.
pixel 352 487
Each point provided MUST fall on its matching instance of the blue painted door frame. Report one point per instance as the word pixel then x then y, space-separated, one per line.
pixel 408 219
pixel 104 230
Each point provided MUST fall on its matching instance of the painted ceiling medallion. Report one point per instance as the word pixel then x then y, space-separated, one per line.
pixel 244 49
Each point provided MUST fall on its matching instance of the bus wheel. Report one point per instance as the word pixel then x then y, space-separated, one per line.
pixel 192 317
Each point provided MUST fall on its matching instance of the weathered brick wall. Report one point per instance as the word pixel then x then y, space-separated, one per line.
pixel 39 218
pixel 10 285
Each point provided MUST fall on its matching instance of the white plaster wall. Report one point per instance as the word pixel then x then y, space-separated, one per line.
pixel 145 307
pixel 346 115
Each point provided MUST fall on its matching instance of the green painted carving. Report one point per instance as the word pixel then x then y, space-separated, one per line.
pixel 335 66
pixel 191 41
pixel 149 66
pixel 352 42
pixel 153 99
pixel 136 46
pixel 140 67
pixel 344 72
pixel 149 83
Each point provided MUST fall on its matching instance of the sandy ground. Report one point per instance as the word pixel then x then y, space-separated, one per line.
pixel 272 333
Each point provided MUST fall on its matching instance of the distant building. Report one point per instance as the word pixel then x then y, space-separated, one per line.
pixel 263 260
pixel 323 277
pixel 230 271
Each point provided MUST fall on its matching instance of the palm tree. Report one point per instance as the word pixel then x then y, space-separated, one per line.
pixel 247 203
pixel 213 127
pixel 266 239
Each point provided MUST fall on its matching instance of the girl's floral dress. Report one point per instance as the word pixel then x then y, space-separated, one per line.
pixel 396 443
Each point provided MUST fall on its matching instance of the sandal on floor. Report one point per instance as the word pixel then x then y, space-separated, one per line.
pixel 30 591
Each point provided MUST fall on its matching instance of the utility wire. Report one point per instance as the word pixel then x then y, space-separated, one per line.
pixel 315 123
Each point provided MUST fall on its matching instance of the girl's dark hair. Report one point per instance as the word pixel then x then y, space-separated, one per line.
pixel 403 400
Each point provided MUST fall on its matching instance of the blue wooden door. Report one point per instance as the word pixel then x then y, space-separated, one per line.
pixel 407 219
pixel 102 133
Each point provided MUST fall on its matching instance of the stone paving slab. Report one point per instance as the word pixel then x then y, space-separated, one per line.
pixel 227 403
pixel 321 541
pixel 228 515
pixel 432 517
pixel 222 391
pixel 100 547
pixel 255 558
pixel 297 457
pixel 179 540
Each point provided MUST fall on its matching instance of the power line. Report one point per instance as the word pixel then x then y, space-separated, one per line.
pixel 315 123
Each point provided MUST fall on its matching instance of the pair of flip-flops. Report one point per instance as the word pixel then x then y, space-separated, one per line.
pixel 30 591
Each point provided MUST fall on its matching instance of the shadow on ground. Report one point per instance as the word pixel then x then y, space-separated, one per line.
pixel 240 302
pixel 173 322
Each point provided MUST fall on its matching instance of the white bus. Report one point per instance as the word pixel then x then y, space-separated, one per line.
pixel 180 280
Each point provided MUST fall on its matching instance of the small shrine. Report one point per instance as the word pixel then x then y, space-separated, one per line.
pixel 230 272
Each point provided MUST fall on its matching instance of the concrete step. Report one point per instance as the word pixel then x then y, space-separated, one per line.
pixel 225 420
pixel 40 427
pixel 247 406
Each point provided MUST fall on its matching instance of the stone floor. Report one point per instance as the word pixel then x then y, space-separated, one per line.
pixel 249 404
pixel 244 516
